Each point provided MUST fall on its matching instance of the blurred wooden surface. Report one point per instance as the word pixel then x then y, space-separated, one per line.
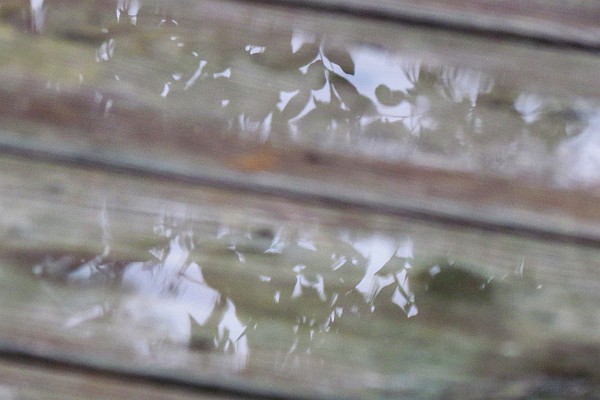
pixel 538 325
pixel 20 379
pixel 293 202
pixel 468 180
pixel 573 22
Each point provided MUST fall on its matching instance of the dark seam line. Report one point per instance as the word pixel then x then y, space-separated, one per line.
pixel 433 24
pixel 23 357
pixel 379 208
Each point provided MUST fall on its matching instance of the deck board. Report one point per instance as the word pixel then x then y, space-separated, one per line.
pixel 22 380
pixel 571 23
pixel 544 299
pixel 512 174
pixel 250 200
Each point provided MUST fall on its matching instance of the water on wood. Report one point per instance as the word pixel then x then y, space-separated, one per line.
pixel 133 68
pixel 260 295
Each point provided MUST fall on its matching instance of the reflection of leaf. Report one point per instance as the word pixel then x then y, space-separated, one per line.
pixel 348 94
pixel 316 121
pixel 333 109
pixel 344 88
pixel 341 58
pixel 315 75
pixel 305 54
pixel 296 105
pixel 278 55
pixel 287 80
pixel 388 97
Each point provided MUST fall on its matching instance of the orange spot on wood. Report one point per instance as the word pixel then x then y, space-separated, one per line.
pixel 262 160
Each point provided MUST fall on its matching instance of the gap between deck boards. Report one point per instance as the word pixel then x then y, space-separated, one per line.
pixel 375 204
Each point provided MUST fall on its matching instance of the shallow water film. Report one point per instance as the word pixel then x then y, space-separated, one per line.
pixel 258 201
pixel 146 68
pixel 258 295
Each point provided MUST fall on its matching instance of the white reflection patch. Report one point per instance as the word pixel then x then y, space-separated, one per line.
pixel 579 157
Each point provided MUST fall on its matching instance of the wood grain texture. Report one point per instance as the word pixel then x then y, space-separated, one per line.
pixel 570 23
pixel 543 304
pixel 181 139
pixel 156 240
pixel 20 379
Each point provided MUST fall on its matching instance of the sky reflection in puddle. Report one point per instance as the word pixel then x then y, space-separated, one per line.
pixel 288 85
pixel 248 297
pixel 297 291
pixel 239 295
pixel 282 268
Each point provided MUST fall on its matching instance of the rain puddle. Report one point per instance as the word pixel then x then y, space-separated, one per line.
pixel 254 302
pixel 137 67
pixel 256 294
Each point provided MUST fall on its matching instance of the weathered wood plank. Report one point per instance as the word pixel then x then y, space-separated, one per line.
pixel 164 212
pixel 97 275
pixel 21 378
pixel 449 172
pixel 572 23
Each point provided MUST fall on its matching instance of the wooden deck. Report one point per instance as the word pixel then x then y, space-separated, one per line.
pixel 299 200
